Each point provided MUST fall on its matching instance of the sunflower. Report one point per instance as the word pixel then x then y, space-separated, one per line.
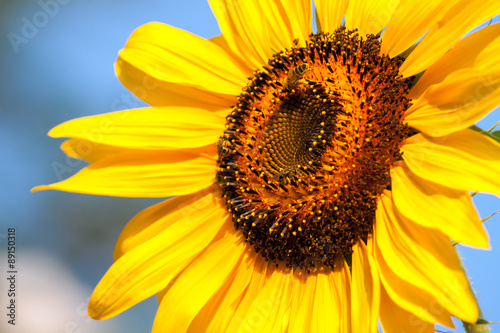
pixel 320 178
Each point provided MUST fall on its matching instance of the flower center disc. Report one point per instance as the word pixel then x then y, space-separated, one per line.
pixel 309 145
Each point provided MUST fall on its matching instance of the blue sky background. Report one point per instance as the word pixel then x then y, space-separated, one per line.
pixel 64 70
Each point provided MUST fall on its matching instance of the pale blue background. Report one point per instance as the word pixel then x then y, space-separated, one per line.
pixel 66 71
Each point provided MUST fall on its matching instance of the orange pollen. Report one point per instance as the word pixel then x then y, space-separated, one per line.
pixel 309 145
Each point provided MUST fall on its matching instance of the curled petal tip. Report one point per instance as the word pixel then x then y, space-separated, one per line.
pixel 40 188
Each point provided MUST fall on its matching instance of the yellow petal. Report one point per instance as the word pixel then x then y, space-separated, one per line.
pixel 254 30
pixel 153 220
pixel 477 51
pixel 92 152
pixel 141 174
pixel 330 13
pixel 369 16
pixel 257 283
pixel 409 297
pixel 216 314
pixel 242 63
pixel 434 115
pixel 365 293
pixel 300 316
pixel 149 128
pixel 341 279
pixel 199 282
pixel 149 267
pixel 434 206
pixel 222 113
pixel 465 160
pixel 410 21
pixel 460 88
pixel 395 319
pixel 299 14
pixel 423 258
pixel 245 29
pixel 458 20
pixel 158 92
pixel 319 308
pixel 257 279
pixel 174 55
pixel 268 308
pixel 326 302
pixel 88 150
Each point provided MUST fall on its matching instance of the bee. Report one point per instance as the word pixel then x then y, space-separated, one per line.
pixel 223 148
pixel 283 177
pixel 294 76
